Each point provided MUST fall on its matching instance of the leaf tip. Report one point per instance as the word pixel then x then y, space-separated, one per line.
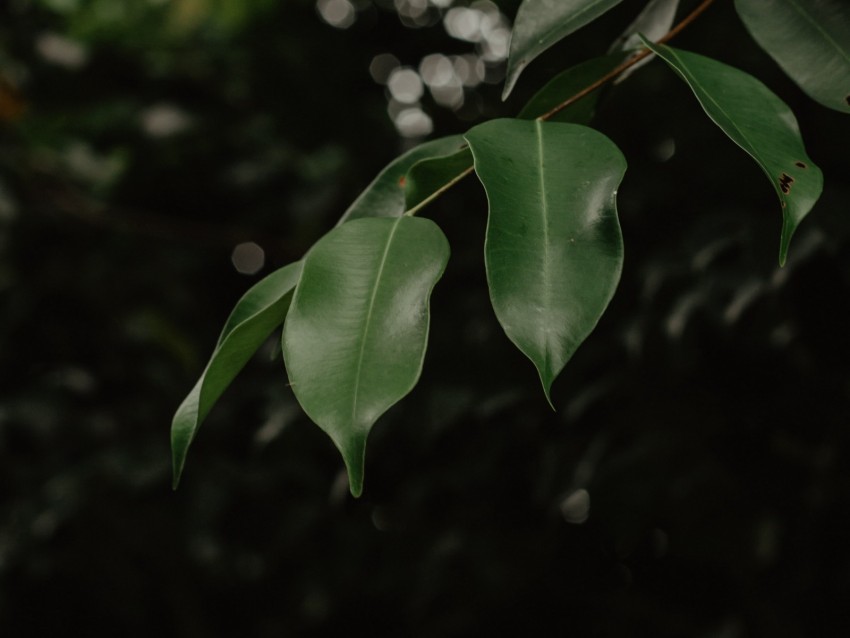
pixel 179 448
pixel 353 451
pixel 788 228
pixel 181 439
pixel 511 77
pixel 356 489
pixel 178 461
pixel 547 381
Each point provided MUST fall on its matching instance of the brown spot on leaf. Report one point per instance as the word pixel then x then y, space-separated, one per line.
pixel 800 164
pixel 785 182
pixel 402 181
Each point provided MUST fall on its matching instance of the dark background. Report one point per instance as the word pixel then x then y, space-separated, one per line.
pixel 704 423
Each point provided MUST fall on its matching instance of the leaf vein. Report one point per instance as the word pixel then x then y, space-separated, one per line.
pixel 826 35
pixel 544 208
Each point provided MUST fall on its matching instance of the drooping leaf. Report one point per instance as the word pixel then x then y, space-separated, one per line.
pixel 256 314
pixel 554 250
pixel 566 84
pixel 355 336
pixel 428 176
pixel 809 39
pixel 653 23
pixel 384 197
pixel 541 23
pixel 760 123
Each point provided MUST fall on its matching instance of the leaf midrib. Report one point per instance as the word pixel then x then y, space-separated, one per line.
pixel 544 208
pixel 368 321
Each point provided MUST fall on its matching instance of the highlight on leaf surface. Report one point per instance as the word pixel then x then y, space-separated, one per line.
pixel 759 122
pixel 259 311
pixel 809 39
pixel 553 250
pixel 355 336
pixel 539 24
pixel 653 22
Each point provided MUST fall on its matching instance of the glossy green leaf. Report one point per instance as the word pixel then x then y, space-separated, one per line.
pixel 384 197
pixel 554 250
pixel 541 23
pixel 760 123
pixel 355 336
pixel 258 312
pixel 429 176
pixel 809 39
pixel 566 84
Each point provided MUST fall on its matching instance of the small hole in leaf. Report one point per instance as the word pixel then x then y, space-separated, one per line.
pixel 800 164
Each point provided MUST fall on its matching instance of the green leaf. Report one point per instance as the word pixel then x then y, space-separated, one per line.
pixel 355 336
pixel 384 197
pixel 809 39
pixel 432 175
pixel 256 315
pixel 566 84
pixel 554 251
pixel 541 23
pixel 760 123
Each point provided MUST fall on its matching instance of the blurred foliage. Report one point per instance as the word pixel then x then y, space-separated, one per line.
pixel 692 483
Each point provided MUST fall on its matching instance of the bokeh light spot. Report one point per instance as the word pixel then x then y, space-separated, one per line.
pixel 248 258
pixel 382 66
pixel 576 507
pixel 405 85
pixel 337 13
pixel 413 122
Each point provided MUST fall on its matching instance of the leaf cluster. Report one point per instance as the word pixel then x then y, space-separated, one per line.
pixel 355 309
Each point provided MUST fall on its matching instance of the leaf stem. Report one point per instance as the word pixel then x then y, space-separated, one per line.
pixel 439 192
pixel 672 33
